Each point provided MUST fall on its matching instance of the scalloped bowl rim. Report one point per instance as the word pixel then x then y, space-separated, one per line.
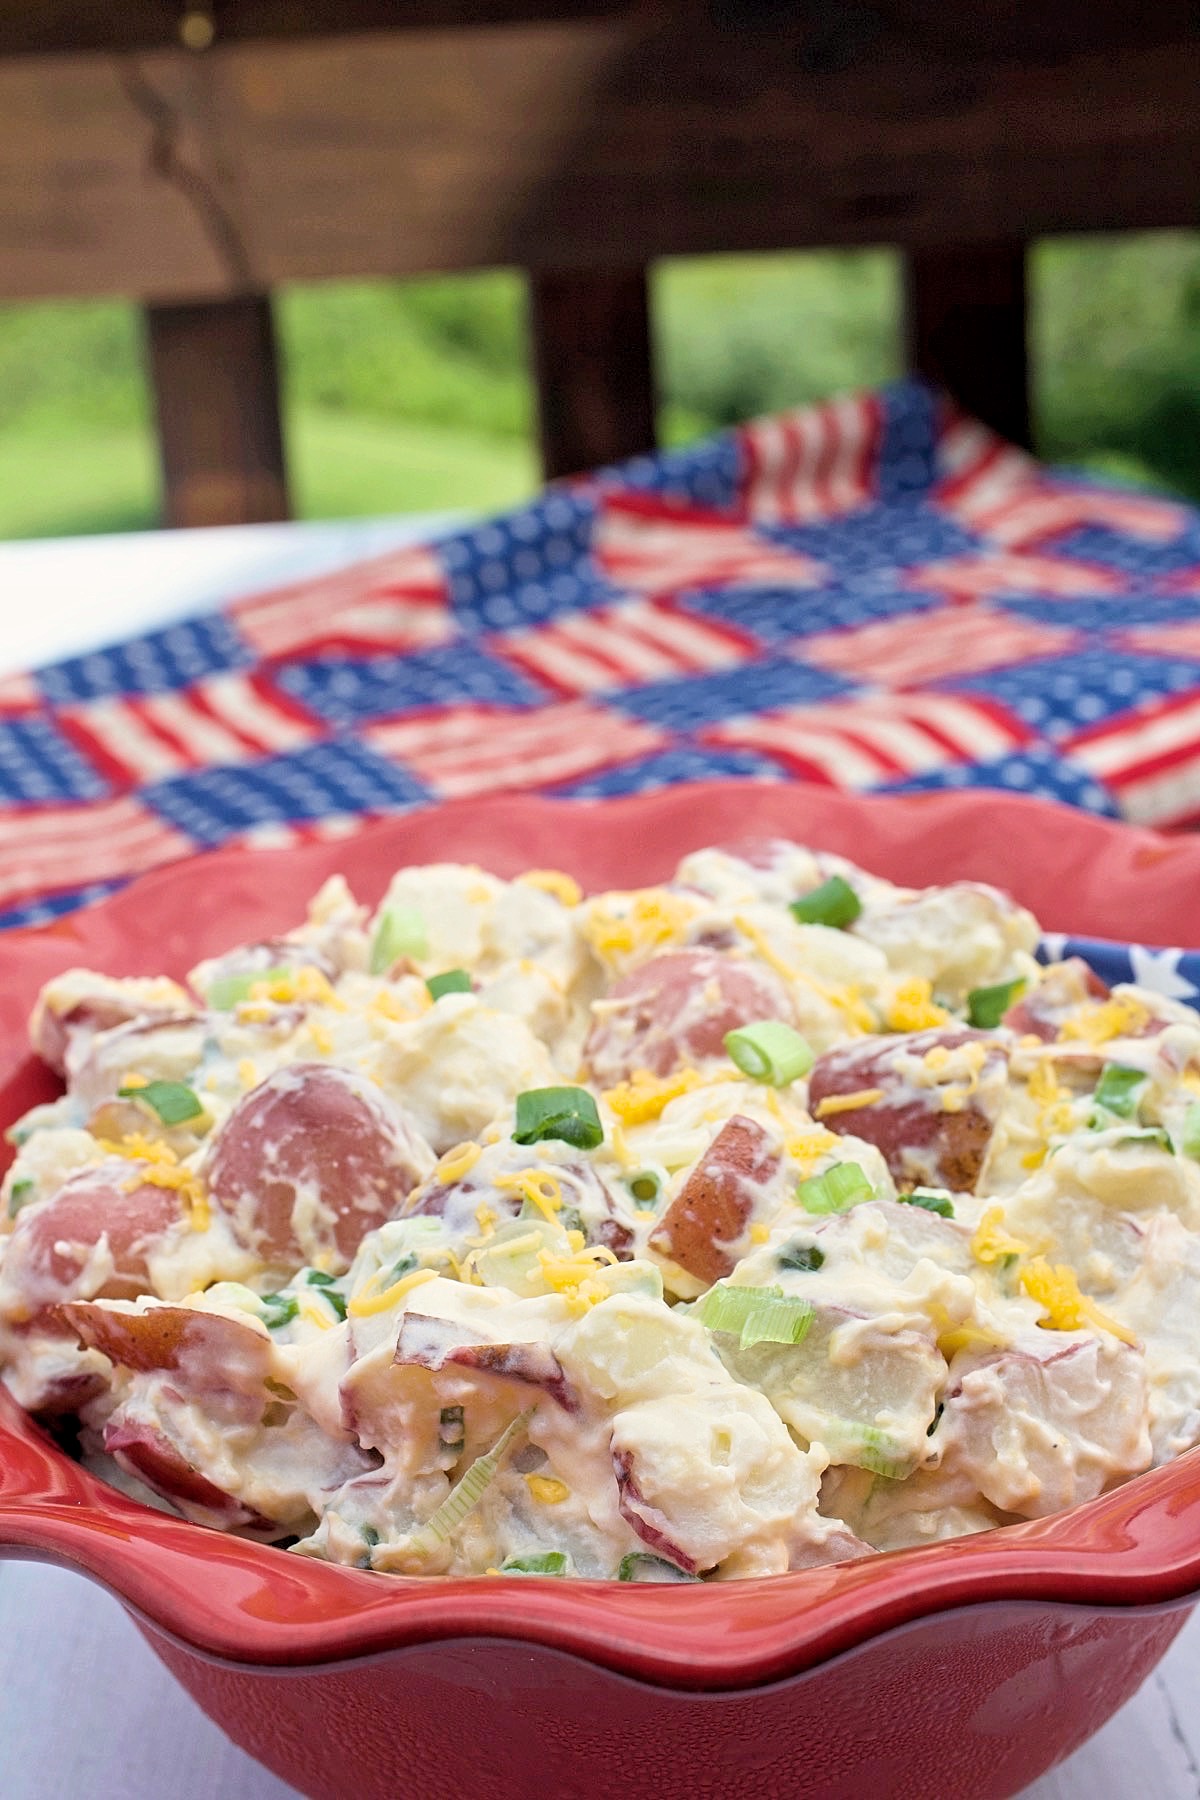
pixel 1136 1547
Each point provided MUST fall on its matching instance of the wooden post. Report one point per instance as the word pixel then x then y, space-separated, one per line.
pixel 216 393
pixel 593 366
pixel 966 330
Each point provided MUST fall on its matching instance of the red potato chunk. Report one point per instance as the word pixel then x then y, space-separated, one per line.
pixel 310 1161
pixel 206 1348
pixel 79 1004
pixel 261 959
pixel 583 1192
pixel 929 1113
pixel 1042 1010
pixel 144 1451
pixel 170 1047
pixel 701 1227
pixel 432 1343
pixel 1047 1425
pixel 677 1009
pixel 57 1248
pixel 647 1521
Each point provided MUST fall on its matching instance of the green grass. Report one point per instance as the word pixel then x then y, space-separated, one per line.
pixel 416 396
pixel 346 466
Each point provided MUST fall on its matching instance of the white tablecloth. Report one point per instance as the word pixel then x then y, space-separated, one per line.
pixel 85 1707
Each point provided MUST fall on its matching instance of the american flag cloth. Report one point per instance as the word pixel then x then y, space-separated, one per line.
pixel 875 594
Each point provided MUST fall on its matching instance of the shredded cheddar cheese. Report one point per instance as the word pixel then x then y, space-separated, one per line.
pixel 990 1241
pixel 458 1162
pixel 553 881
pixel 370 1300
pixel 1056 1289
pixel 386 1006
pixel 1119 1017
pixel 540 1187
pixel 913 1007
pixel 759 1234
pixel 644 1095
pixel 578 1278
pixel 840 1103
pixel 638 923
pixel 247 1073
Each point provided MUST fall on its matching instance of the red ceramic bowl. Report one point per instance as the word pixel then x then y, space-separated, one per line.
pixel 964 1669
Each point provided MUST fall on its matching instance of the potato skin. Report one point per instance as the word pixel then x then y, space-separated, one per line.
pixel 717 1201
pixel 928 1130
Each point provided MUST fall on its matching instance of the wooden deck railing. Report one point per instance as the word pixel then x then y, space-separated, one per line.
pixel 315 139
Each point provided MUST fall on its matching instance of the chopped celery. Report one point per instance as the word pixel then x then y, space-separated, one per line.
pixel 399 931
pixel 173 1101
pixel 639 1565
pixel 453 981
pixel 546 1562
pixel 837 1190
pixel 1119 1090
pixel 757 1315
pixel 770 1051
pixel 1189 1138
pixel 986 1006
pixel 834 903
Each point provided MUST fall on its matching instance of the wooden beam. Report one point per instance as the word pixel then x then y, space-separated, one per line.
pixel 56 27
pixel 179 177
pixel 216 393
pixel 966 318
pixel 593 367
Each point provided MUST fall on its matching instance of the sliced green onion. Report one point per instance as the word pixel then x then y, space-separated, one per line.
pixel 881 1454
pixel 317 1278
pixel 1148 1134
pixel 1189 1138
pixel 833 903
pixel 454 981
pixel 466 1493
pixel 805 1257
pixel 646 1187
pixel 547 1562
pixel 567 1113
pixel 770 1051
pixel 929 1200
pixel 19 1195
pixel 837 1190
pixel 278 1309
pixel 173 1101
pixel 986 1006
pixel 756 1315
pixel 399 931
pixel 228 991
pixel 1119 1089
pixel 639 1565
pixel 778 1322
pixel 370 1536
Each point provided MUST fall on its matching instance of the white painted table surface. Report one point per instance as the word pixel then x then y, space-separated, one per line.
pixel 85 1706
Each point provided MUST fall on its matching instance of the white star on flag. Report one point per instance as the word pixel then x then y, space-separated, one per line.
pixel 1158 970
pixel 1053 945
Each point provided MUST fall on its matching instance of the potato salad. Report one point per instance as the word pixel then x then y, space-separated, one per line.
pixel 769 1217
